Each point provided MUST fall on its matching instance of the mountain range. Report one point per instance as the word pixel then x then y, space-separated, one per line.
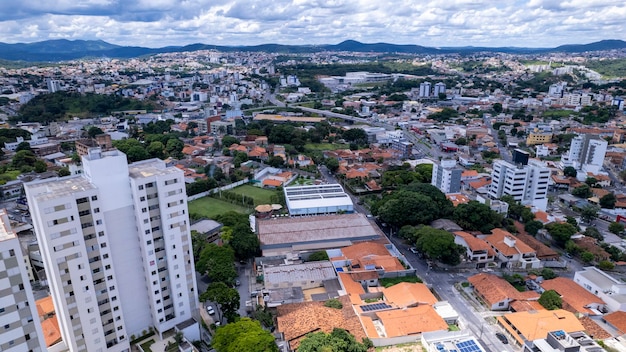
pixel 62 50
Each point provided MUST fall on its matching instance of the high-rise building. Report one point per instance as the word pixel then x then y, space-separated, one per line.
pixel 447 176
pixel 116 246
pixel 21 330
pixel 527 184
pixel 424 89
pixel 439 88
pixel 586 153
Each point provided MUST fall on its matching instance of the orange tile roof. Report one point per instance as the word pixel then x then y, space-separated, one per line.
pixel 356 174
pixel 45 306
pixel 524 306
pixel 480 183
pixel 411 321
pixel 542 216
pixel 51 332
pixel 593 329
pixel 406 294
pixel 618 320
pixel 458 198
pixel 272 183
pixel 536 324
pixel 469 173
pixel 495 289
pixel 371 253
pixel 574 296
pixel 474 243
pixel 497 237
pixel 295 320
pixel 353 288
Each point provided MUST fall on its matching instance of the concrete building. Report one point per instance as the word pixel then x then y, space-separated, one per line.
pixel 611 290
pixel 317 199
pixel 560 340
pixel 447 176
pixel 21 330
pixel 402 146
pixel 425 89
pixel 527 184
pixel 115 242
pixel 586 153
pixel 440 88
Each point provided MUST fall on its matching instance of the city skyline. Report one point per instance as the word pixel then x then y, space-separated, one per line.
pixel 522 23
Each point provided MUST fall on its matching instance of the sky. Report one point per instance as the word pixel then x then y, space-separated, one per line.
pixel 435 23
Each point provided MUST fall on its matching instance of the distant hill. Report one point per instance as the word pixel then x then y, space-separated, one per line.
pixel 62 50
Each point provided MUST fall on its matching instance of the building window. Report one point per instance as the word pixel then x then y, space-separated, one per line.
pixel 140 187
pixel 94 197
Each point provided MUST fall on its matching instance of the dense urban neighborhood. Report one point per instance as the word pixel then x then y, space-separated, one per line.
pixel 322 201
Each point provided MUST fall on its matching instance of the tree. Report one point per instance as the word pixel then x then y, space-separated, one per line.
pixel 23 158
pixel 547 274
pixel 439 245
pixel 589 213
pixel 583 191
pixel 339 340
pixel 229 140
pixel 569 171
pixel 332 164
pixel 356 135
pixel 218 263
pixel 40 166
pixel 156 149
pixel 64 172
pixel 23 146
pixel 593 233
pixel 93 131
pixel 591 181
pixel 616 227
pixel 587 257
pixel 497 108
pixel 551 300
pixel 608 201
pixel 561 232
pixel 533 226
pixel 226 297
pixel 475 216
pixel 461 141
pixel 244 242
pixel 243 335
pixel 137 153
pixel 276 161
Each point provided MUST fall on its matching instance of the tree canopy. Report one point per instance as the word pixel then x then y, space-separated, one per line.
pixel 439 245
pixel 339 340
pixel 243 335
pixel 225 296
pixel 561 232
pixel 218 263
pixel 414 204
pixel 551 300
pixel 475 216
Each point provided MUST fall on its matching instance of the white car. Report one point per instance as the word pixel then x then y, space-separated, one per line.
pixel 210 310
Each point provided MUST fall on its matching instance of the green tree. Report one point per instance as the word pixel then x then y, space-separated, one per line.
pixel 156 149
pixel 243 335
pixel 551 300
pixel 593 232
pixel 93 131
pixel 608 201
pixel 23 146
pixel 226 297
pixel 616 227
pixel 218 263
pixel 23 158
pixel 606 265
pixel 569 171
pixel 475 216
pixel 461 141
pixel 229 140
pixel 276 161
pixel 64 172
pixel 548 273
pixel 355 135
pixel 591 181
pixel 244 242
pixel 409 233
pixel 589 213
pixel 497 108
pixel 439 245
pixel 339 340
pixel 583 191
pixel 533 226
pixel 586 257
pixel 40 166
pixel 561 232
pixel 332 164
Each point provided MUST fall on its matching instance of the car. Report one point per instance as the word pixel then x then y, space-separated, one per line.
pixel 413 250
pixel 502 338
pixel 210 310
pixel 218 323
pixel 568 255
pixel 237 283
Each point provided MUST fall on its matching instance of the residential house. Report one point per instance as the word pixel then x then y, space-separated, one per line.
pixel 575 298
pixel 532 325
pixel 611 290
pixel 477 250
pixel 511 251
pixel 497 293
pixel 408 294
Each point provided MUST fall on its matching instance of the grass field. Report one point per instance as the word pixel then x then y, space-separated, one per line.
pixel 325 146
pixel 260 195
pixel 212 207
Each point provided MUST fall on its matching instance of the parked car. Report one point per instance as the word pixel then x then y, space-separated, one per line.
pixel 502 338
pixel 237 283
pixel 413 250
pixel 210 310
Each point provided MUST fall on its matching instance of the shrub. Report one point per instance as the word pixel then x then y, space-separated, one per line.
pixel 333 303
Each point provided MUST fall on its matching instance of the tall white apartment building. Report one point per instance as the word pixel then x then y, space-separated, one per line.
pixel 439 88
pixel 527 184
pixel 586 153
pixel 447 176
pixel 116 246
pixel 425 89
pixel 20 329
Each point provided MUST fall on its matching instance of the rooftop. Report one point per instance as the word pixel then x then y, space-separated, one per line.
pixel 48 189
pixel 572 294
pixel 537 324
pixel 297 273
pixel 411 321
pixel 407 294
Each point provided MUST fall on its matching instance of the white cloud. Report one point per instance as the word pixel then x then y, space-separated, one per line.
pixel 155 23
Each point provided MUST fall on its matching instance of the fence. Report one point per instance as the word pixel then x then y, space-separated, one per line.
pixel 215 190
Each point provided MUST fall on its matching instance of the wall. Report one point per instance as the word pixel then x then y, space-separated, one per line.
pixel 215 190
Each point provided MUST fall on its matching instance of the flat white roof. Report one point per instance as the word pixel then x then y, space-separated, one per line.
pixel 315 196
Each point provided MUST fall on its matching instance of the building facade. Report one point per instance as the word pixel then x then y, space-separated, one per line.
pixel 586 153
pixel 116 246
pixel 20 330
pixel 527 184
pixel 447 176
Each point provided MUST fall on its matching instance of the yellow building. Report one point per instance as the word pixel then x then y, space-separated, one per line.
pixel 538 138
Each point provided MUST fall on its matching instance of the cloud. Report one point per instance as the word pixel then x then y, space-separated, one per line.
pixel 155 23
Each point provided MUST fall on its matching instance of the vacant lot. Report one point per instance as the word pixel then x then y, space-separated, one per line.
pixel 260 195
pixel 212 207
pixel 325 146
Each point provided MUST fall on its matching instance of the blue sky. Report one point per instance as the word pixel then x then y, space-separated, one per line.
pixel 157 23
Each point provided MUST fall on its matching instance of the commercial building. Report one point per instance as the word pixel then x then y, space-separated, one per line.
pixel 317 199
pixel 116 245
pixel 527 184
pixel 21 330
pixel 586 153
pixel 447 176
